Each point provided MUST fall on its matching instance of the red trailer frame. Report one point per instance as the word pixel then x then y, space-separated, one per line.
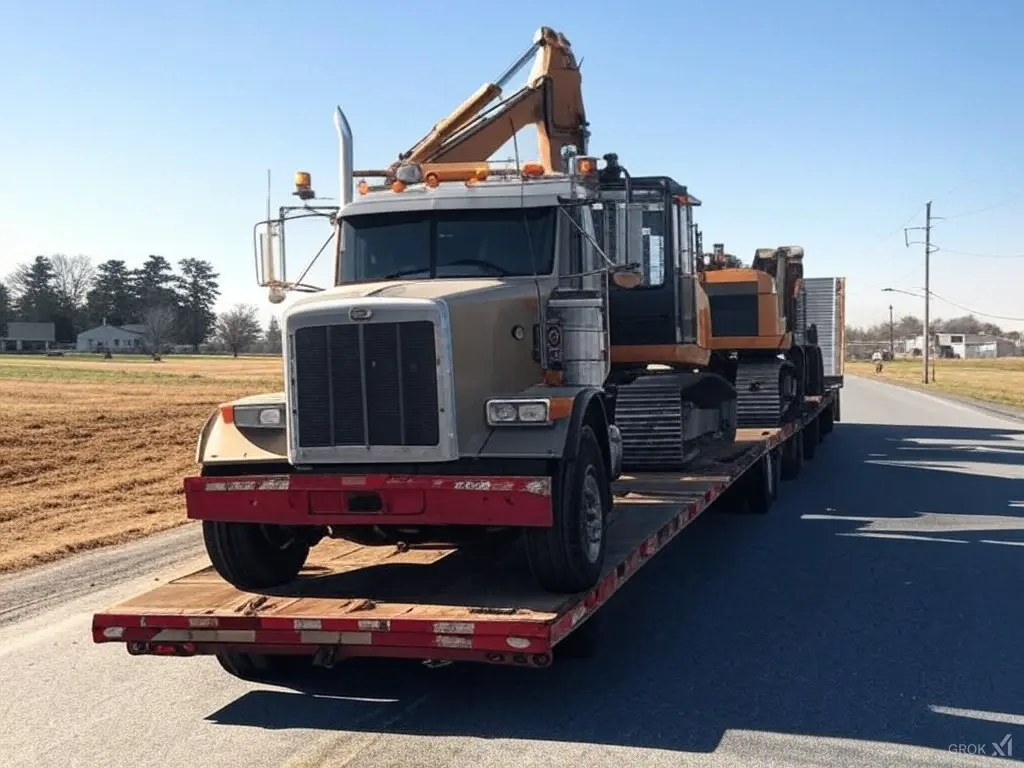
pixel 439 603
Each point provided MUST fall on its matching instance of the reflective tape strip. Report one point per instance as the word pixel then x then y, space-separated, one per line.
pixel 454 627
pixel 336 638
pixel 205 636
pixel 453 641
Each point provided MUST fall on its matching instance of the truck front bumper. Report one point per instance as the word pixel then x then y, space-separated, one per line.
pixel 413 500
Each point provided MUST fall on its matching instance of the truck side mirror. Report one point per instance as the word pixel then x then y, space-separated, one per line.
pixel 270 258
pixel 629 244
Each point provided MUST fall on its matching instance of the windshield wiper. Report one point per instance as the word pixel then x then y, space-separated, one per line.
pixel 404 273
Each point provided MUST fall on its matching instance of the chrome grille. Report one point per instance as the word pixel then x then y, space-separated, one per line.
pixel 366 384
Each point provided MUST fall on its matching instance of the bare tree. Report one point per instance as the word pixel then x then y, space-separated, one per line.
pixel 159 326
pixel 18 281
pixel 238 328
pixel 72 278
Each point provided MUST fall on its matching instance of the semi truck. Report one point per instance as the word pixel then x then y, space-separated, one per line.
pixel 510 398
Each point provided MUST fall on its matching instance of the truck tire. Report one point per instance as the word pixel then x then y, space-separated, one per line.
pixel 826 421
pixel 569 556
pixel 262 667
pixel 810 434
pixel 793 456
pixel 583 642
pixel 764 483
pixel 253 556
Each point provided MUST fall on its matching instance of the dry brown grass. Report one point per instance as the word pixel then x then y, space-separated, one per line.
pixel 994 381
pixel 94 451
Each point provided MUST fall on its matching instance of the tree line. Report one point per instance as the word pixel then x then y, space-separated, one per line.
pixel 174 307
pixel 910 326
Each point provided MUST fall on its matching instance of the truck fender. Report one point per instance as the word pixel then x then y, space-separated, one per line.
pixel 204 435
pixel 221 442
pixel 588 409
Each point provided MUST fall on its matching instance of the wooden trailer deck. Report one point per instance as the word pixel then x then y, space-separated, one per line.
pixel 477 602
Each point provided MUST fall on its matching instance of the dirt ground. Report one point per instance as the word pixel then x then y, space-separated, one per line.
pixel 996 381
pixel 94 451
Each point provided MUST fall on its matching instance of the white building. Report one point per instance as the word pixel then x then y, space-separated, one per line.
pixel 20 337
pixel 963 345
pixel 116 338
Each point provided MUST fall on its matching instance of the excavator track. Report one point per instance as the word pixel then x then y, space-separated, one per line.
pixel 766 392
pixel 662 422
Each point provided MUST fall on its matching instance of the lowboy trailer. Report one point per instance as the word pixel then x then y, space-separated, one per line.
pixel 470 603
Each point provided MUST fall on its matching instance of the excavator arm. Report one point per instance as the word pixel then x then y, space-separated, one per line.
pixel 552 100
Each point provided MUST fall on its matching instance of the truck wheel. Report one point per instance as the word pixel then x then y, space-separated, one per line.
pixel 764 483
pixel 793 456
pixel 826 421
pixel 810 438
pixel 254 556
pixel 569 556
pixel 262 667
pixel 582 643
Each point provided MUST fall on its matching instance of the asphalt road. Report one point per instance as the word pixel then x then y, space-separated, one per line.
pixel 871 619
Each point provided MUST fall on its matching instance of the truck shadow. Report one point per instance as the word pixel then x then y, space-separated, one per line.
pixel 876 601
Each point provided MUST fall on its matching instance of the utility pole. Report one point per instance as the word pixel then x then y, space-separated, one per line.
pixel 927 286
pixel 892 344
pixel 926 352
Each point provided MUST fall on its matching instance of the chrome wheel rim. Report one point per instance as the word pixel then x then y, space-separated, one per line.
pixel 592 516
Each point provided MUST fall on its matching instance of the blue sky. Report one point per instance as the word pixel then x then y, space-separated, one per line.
pixel 137 128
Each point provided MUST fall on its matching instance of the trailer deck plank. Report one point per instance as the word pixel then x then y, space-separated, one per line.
pixel 343 579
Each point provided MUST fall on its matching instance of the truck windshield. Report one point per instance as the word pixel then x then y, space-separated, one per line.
pixel 506 242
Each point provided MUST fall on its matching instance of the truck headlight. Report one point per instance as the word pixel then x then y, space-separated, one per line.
pixel 511 412
pixel 259 416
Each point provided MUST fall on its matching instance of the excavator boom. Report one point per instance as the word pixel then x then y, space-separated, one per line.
pixel 552 100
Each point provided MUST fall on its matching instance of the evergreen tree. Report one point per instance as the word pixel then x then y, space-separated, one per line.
pixel 5 309
pixel 153 286
pixel 197 292
pixel 38 301
pixel 111 298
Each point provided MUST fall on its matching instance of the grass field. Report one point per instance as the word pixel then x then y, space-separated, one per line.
pixel 94 451
pixel 995 381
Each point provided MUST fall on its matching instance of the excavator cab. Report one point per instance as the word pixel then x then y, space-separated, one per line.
pixel 658 321
pixel 667 402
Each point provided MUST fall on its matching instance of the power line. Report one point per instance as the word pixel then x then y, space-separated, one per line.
pixel 983 255
pixel 986 209
pixel 976 312
pixel 895 232
pixel 969 310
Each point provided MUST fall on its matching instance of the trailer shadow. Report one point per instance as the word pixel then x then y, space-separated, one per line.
pixel 875 601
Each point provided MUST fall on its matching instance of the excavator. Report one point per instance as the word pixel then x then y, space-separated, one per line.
pixel 758 336
pixel 660 330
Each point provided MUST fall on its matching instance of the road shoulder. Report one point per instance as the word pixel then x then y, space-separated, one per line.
pixel 989 408
pixel 27 593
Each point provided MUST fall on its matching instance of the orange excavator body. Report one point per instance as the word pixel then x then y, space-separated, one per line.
pixel 754 308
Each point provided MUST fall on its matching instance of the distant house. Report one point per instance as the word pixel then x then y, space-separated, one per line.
pixel 116 338
pixel 25 337
pixel 964 345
